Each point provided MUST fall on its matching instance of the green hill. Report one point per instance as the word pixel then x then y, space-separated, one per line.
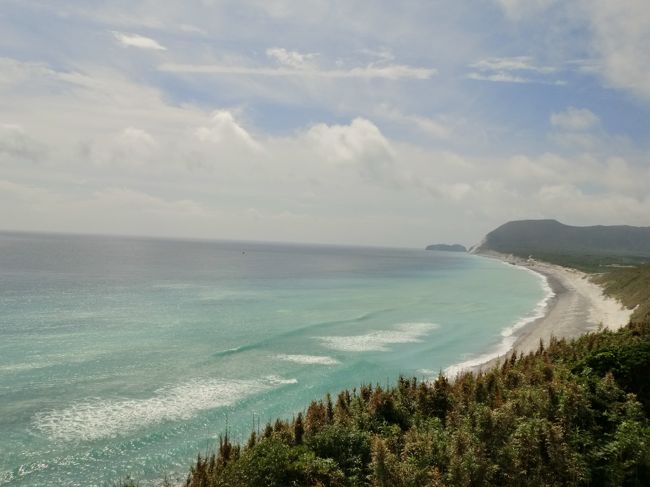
pixel 588 248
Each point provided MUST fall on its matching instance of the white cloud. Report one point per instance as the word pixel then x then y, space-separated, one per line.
pixel 388 71
pixel 516 9
pixel 16 144
pixel 130 147
pixel 382 54
pixel 138 201
pixel 361 141
pixel 223 128
pixel 13 72
pixel 456 191
pixel 621 36
pixel 136 40
pixel 499 78
pixel 618 36
pixel 192 29
pixel 138 136
pixel 167 168
pixel 433 128
pixel 517 69
pixel 575 119
pixel 292 59
pixel 516 63
pixel 12 192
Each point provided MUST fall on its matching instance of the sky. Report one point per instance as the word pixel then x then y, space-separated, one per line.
pixel 346 122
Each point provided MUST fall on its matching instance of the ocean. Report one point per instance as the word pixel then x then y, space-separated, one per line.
pixel 129 356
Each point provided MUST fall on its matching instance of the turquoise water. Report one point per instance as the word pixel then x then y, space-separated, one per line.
pixel 129 356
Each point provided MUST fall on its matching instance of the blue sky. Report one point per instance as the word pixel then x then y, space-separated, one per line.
pixel 360 122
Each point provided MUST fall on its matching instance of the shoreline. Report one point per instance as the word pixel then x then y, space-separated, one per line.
pixel 576 306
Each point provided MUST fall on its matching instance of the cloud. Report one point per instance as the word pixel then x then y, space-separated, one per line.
pixel 35 197
pixel 517 69
pixel 131 147
pixel 432 128
pixel 617 36
pixel 581 129
pixel 138 201
pixel 360 141
pixel 13 72
pixel 16 144
pixel 574 119
pixel 223 128
pixel 389 71
pixel 276 144
pixel 621 35
pixel 135 40
pixel 292 59
pixel 381 54
pixel 516 63
pixel 138 136
pixel 516 9
pixel 499 78
pixel 192 29
pixel 455 191
pixel 593 208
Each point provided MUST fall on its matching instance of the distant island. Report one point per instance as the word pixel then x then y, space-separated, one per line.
pixel 447 247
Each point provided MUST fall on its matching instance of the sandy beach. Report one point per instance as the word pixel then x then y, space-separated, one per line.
pixel 578 306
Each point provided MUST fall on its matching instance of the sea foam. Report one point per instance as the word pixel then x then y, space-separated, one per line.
pixel 309 359
pixel 540 309
pixel 106 418
pixel 380 340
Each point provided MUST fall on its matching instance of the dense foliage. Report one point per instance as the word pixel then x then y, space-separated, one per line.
pixel 574 413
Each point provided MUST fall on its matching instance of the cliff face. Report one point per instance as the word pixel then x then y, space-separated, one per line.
pixel 447 247
pixel 581 246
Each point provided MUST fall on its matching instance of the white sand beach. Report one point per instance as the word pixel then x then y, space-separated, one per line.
pixel 579 306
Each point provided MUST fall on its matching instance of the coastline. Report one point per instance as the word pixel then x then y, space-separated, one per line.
pixel 575 306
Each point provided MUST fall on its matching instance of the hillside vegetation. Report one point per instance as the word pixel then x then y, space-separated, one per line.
pixel 575 413
pixel 586 248
pixel 631 286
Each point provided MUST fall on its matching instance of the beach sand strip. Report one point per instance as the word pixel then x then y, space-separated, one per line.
pixel 578 307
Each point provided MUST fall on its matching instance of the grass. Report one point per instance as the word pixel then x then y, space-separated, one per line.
pixel 631 286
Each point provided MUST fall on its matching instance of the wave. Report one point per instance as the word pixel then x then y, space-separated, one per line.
pixel 174 285
pixel 540 309
pixel 22 367
pixel 504 346
pixel 50 360
pixel 508 333
pixel 321 324
pixel 105 418
pixel 379 341
pixel 216 296
pixel 309 359
pixel 204 293
pixel 274 379
pixel 230 351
